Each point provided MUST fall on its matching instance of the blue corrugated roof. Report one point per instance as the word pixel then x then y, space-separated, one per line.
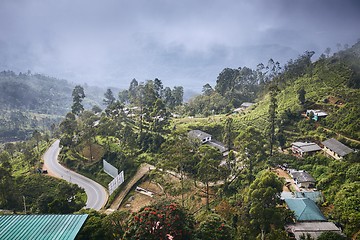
pixel 305 209
pixel 62 227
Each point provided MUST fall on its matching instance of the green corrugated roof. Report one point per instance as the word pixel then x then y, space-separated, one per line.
pixel 305 209
pixel 61 227
pixel 316 196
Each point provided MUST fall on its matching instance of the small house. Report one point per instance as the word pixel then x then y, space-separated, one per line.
pixel 246 105
pixel 96 123
pixel 304 148
pixel 202 136
pixel 243 106
pixel 303 179
pixel 309 220
pixel 317 114
pixel 336 149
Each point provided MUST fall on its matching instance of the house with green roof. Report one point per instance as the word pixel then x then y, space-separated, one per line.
pixel 49 226
pixel 309 219
pixel 305 209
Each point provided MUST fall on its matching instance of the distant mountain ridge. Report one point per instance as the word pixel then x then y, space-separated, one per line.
pixel 41 94
pixel 35 101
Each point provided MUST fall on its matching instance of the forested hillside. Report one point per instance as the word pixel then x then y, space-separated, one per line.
pixel 34 101
pixel 34 92
pixel 138 128
pixel 228 188
pixel 330 84
pixel 277 119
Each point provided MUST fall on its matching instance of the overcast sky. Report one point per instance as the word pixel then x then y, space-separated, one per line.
pixel 187 42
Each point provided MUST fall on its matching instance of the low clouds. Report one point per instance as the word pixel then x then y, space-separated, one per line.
pixel 185 43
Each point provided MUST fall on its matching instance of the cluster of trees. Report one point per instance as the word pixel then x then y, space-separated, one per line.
pixel 165 220
pixel 47 195
pixel 235 86
pixel 141 93
pixel 138 127
pixel 255 214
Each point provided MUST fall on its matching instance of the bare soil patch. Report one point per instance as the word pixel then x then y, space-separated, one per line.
pixel 290 184
pixel 138 200
pixel 97 152
pixel 194 197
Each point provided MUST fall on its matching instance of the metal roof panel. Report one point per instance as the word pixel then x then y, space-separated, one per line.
pixel 62 226
pixel 305 209
pixel 337 147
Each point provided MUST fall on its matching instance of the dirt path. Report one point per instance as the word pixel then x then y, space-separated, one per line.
pixel 283 174
pixel 340 135
pixel 144 168
pixel 356 235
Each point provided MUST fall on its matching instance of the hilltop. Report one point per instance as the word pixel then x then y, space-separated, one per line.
pixel 331 84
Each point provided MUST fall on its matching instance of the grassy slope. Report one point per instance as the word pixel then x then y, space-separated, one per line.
pixel 328 79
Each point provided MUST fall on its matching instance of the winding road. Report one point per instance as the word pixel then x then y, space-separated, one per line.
pixel 97 196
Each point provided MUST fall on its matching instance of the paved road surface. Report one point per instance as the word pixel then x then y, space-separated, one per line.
pixel 96 194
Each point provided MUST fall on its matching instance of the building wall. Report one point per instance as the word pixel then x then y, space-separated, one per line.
pixel 332 154
pixel 207 139
pixel 305 184
pixel 297 151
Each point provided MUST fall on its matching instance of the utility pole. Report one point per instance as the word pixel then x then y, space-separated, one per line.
pixel 24 204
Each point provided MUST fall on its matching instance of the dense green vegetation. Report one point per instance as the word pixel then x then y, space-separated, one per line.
pixel 236 196
pixel 124 136
pixel 328 87
pixel 130 135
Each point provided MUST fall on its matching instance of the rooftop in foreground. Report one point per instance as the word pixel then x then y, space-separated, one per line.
pixel 62 227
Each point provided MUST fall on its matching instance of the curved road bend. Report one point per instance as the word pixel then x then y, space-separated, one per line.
pixel 96 194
